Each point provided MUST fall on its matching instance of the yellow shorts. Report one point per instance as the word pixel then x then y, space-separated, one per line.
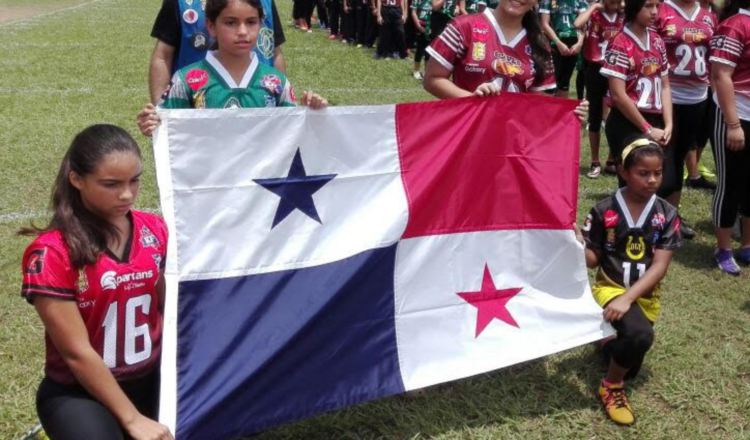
pixel 605 293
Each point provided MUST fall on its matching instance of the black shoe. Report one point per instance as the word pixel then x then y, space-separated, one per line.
pixel 686 231
pixel 700 183
pixel 610 168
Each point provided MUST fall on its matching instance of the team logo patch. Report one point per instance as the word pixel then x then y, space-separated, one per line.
pixel 110 280
pixel 635 249
pixel 611 218
pixel 609 244
pixel 265 42
pixel 478 51
pixel 36 261
pixel 272 83
pixel 708 20
pixel 658 220
pixel 506 65
pixel 199 41
pixel 196 78
pixel 610 58
pixel 270 101
pixel 649 66
pixel 693 35
pixel 527 49
pixel 199 100
pixel 148 239
pixel 671 29
pixel 83 281
pixel 190 16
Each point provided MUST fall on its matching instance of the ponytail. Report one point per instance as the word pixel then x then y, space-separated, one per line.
pixel 540 50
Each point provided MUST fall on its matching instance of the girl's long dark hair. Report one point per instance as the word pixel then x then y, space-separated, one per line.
pixel 86 234
pixel 540 50
pixel 731 7
pixel 632 8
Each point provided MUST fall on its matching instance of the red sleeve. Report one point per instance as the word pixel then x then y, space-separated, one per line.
pixel 47 271
pixel 664 60
pixel 450 46
pixel 727 45
pixel 616 61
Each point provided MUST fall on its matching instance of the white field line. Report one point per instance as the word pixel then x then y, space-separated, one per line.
pixel 47 14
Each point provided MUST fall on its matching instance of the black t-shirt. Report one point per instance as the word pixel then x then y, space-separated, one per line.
pixel 167 26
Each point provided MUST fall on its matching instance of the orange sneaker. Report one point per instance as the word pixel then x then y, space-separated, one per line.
pixel 616 403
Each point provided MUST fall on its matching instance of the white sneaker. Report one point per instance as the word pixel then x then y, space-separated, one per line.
pixel 418 75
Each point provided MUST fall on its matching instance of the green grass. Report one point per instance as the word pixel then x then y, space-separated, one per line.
pixel 78 67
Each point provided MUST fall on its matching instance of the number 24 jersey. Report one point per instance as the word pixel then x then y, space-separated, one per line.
pixel 117 298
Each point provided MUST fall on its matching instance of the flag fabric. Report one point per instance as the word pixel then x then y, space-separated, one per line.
pixel 318 259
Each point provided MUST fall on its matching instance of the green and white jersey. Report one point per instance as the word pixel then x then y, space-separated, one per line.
pixel 423 8
pixel 472 6
pixel 207 84
pixel 562 15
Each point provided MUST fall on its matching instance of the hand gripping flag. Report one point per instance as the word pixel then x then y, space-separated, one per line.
pixel 323 258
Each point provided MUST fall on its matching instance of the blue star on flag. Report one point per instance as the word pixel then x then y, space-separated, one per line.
pixel 295 190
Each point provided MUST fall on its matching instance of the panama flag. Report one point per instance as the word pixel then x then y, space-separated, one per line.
pixel 318 259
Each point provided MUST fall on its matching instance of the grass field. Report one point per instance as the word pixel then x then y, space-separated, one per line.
pixel 79 66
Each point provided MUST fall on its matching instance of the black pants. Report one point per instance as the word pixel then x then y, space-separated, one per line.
pixel 564 65
pixel 620 130
pixel 69 412
pixel 732 194
pixel 635 335
pixel 391 40
pixel 687 121
pixel 421 51
pixel 334 16
pixel 596 90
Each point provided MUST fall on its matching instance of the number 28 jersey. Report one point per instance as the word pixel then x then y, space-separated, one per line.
pixel 117 299
pixel 686 38
pixel 625 245
pixel 641 66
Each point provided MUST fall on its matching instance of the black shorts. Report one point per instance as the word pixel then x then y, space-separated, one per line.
pixel 70 412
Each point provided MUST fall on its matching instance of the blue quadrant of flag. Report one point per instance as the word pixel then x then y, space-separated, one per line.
pixel 237 380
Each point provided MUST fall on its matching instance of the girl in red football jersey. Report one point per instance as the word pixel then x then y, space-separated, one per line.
pixel 636 66
pixel 498 50
pixel 94 276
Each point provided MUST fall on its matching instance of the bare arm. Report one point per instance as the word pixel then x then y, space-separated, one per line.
pixel 551 35
pixel 437 4
pixel 437 82
pixel 643 287
pixel 66 329
pixel 666 108
pixel 585 16
pixel 160 70
pixel 721 80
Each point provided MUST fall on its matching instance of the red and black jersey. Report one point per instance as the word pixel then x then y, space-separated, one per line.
pixel 731 46
pixel 600 31
pixel 686 37
pixel 117 298
pixel 625 246
pixel 474 48
pixel 641 65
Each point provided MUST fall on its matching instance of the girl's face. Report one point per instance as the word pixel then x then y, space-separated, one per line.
pixel 612 6
pixel 236 28
pixel 111 189
pixel 643 178
pixel 517 8
pixel 647 15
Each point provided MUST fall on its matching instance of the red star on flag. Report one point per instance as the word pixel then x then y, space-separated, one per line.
pixel 490 302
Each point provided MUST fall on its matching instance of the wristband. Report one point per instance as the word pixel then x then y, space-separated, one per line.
pixel 732 124
pixel 647 128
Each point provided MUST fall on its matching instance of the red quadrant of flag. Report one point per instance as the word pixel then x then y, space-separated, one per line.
pixel 456 181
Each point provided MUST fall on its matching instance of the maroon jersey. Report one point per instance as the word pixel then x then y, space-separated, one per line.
pixel 640 65
pixel 117 298
pixel 601 30
pixel 686 37
pixel 475 50
pixel 731 46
